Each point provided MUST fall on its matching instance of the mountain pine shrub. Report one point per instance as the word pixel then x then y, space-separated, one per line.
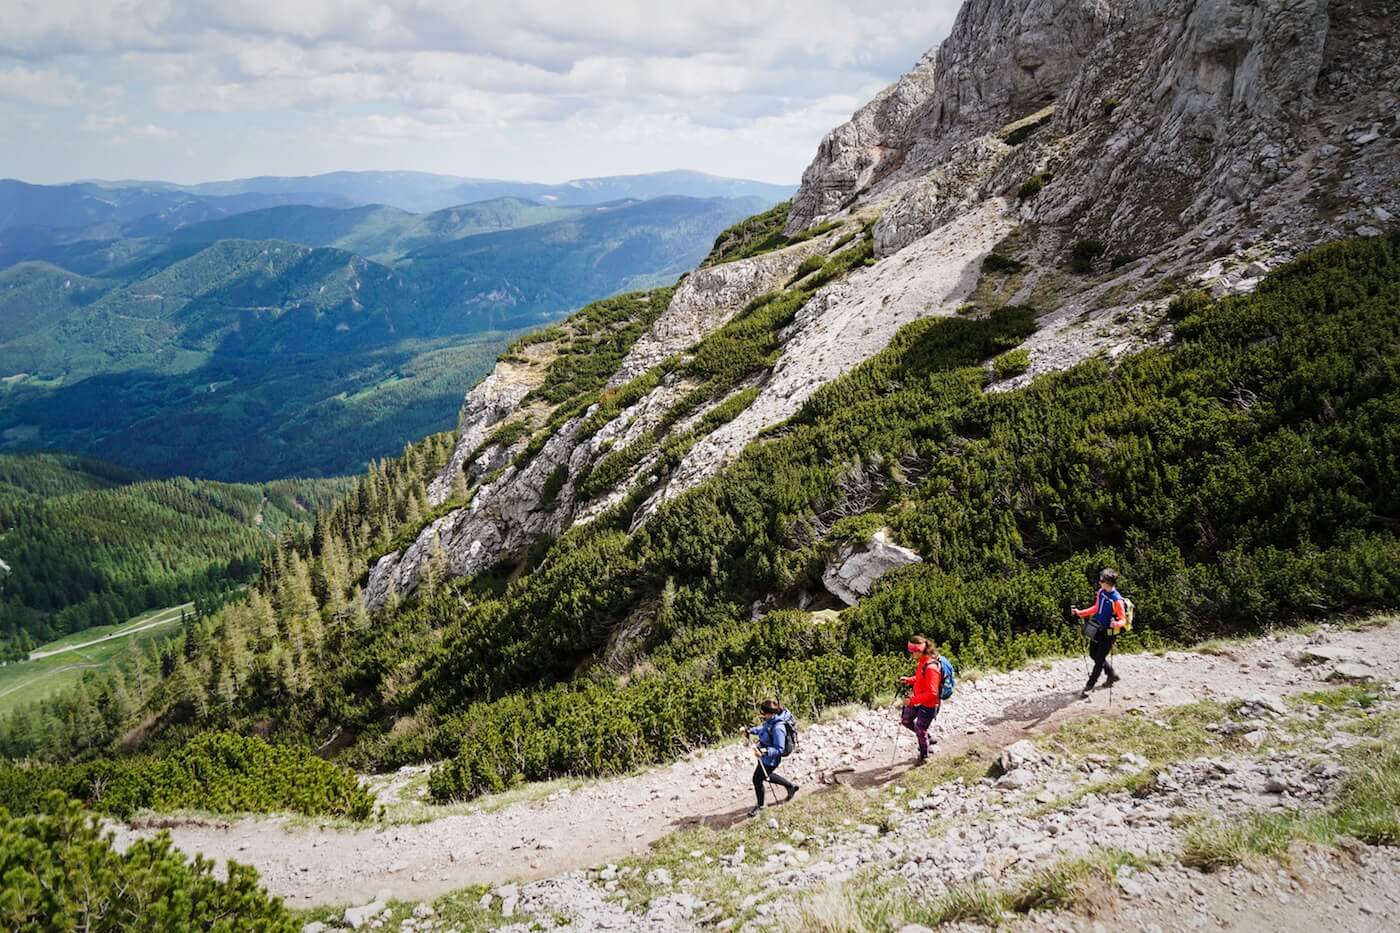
pixel 62 873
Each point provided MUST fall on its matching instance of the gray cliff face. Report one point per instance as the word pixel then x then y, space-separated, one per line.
pixel 1201 141
pixel 706 300
pixel 1003 60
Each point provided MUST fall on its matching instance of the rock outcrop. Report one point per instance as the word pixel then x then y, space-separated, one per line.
pixel 852 569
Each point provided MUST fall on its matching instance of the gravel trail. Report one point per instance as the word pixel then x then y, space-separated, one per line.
pixel 612 818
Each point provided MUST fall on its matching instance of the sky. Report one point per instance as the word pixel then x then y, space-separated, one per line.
pixel 198 90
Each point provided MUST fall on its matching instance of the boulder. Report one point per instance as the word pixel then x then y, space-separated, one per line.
pixel 359 917
pixel 852 570
pixel 1022 754
pixel 1351 672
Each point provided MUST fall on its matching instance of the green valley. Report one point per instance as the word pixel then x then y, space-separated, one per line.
pixel 87 543
pixel 226 350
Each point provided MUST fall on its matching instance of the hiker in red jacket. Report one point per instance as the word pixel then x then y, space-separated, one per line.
pixel 927 681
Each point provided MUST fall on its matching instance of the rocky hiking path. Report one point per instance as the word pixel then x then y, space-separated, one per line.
pixel 612 818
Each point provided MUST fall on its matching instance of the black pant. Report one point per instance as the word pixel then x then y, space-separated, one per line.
pixel 760 774
pixel 1099 650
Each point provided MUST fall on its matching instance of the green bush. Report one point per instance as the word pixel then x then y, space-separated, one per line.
pixel 1023 133
pixel 1186 303
pixel 996 262
pixel 1083 254
pixel 1011 363
pixel 217 772
pixel 1111 104
pixel 62 873
pixel 600 728
pixel 1030 187
pixel 806 267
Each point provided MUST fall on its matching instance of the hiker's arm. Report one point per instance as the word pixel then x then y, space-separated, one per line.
pixel 1084 613
pixel 906 680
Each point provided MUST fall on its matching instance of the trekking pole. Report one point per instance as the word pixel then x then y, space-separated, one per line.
pixel 894 745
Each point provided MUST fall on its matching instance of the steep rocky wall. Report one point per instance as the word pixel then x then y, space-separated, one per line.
pixel 1003 60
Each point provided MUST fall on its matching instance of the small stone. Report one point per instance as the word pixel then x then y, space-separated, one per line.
pixel 508 906
pixel 423 911
pixel 359 917
pixel 485 901
pixel 1127 883
pixel 1368 231
pixel 659 878
pixel 314 927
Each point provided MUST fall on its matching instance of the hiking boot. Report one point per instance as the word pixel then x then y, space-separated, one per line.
pixel 756 810
pixel 791 793
pixel 1084 694
pixel 921 760
pixel 1112 681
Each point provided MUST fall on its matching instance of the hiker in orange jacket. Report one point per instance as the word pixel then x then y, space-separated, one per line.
pixel 927 680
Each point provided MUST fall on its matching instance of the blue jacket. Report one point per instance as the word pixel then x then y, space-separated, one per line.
pixel 1107 608
pixel 771 737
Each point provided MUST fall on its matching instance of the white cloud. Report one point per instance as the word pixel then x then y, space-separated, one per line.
pixel 463 80
pixel 43 86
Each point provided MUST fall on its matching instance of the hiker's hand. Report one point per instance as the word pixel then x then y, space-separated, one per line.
pixel 757 753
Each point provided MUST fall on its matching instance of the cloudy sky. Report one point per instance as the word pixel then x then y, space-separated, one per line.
pixel 194 90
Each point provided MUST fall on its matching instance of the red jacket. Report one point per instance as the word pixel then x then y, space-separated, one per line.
pixel 927 681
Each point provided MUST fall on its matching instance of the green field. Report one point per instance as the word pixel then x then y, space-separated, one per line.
pixel 63 662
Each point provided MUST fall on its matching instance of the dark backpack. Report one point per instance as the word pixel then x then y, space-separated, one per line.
pixel 789 737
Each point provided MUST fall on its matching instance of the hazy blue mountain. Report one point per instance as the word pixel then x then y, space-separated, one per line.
pixel 87 205
pixel 375 230
pixel 422 192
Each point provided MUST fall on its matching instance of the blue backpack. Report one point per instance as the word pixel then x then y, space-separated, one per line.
pixel 946 668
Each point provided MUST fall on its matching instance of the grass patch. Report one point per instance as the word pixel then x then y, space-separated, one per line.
pixel 1367 807
pixel 1215 844
pixel 1074 884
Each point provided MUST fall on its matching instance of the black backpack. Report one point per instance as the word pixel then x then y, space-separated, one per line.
pixel 789 737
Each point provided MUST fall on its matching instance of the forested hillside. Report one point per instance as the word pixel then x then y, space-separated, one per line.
pixel 91 543
pixel 1239 477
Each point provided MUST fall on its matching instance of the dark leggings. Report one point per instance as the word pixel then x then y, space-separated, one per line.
pixel 760 775
pixel 917 719
pixel 1099 650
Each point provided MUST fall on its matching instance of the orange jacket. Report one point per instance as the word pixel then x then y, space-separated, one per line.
pixel 927 680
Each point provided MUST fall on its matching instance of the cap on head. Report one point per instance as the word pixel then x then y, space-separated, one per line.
pixel 770 707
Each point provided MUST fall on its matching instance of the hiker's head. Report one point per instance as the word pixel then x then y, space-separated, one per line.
pixel 769 708
pixel 1108 578
pixel 919 645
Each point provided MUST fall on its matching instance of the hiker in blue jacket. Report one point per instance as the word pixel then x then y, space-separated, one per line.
pixel 1109 615
pixel 773 737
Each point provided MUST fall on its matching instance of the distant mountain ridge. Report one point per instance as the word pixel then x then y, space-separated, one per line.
pixel 416 192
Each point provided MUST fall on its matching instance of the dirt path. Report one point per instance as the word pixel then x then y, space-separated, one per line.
pixel 165 617
pixel 614 818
